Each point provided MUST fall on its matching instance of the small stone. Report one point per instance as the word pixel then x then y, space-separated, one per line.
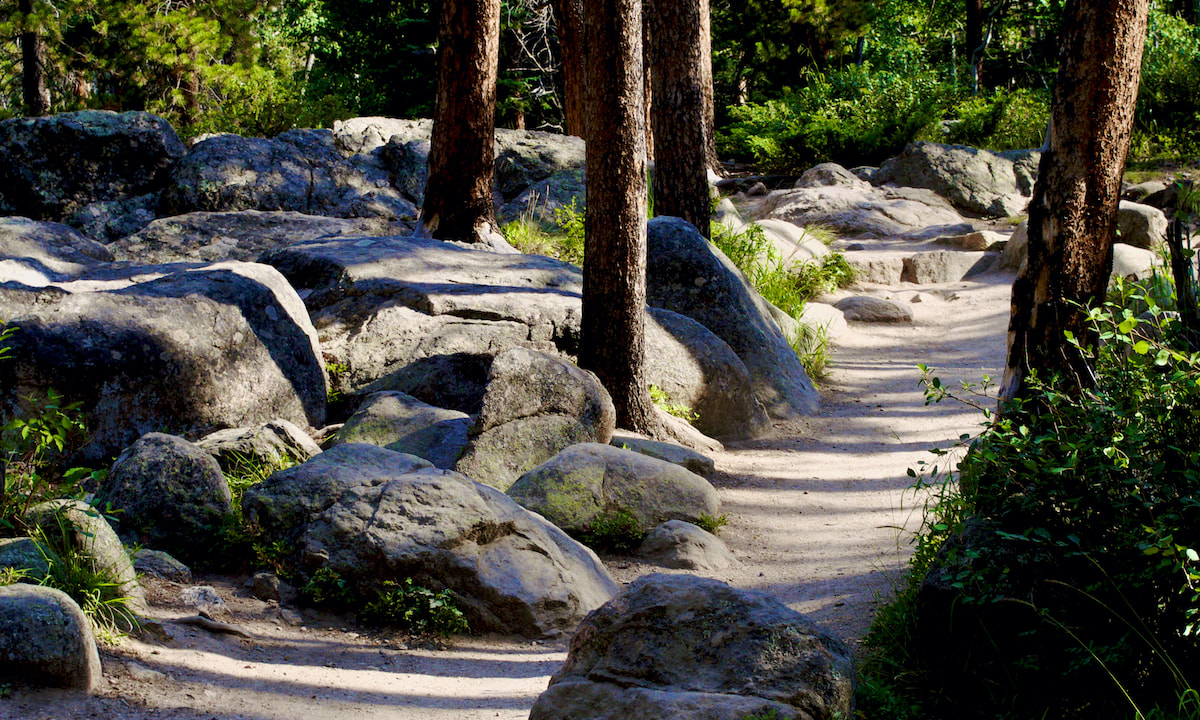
pixel 291 617
pixel 205 599
pixel 161 565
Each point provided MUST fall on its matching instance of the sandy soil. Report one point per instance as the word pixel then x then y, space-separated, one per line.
pixel 817 515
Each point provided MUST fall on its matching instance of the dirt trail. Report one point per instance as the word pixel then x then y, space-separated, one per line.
pixel 815 512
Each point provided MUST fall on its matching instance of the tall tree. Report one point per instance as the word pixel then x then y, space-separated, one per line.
pixel 675 52
pixel 35 95
pixel 458 194
pixel 612 343
pixel 1073 213
pixel 571 43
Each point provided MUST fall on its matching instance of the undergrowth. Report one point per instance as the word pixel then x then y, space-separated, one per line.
pixel 401 605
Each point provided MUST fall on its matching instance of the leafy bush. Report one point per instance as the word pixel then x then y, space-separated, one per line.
pixel 663 401
pixel 1167 117
pixel 1095 502
pixel 412 607
pixel 531 237
pixel 617 531
pixel 97 590
pixel 853 116
pixel 1005 120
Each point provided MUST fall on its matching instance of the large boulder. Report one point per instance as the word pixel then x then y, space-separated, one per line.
pixel 171 495
pixel 679 647
pixel 90 535
pixel 944 266
pixel 300 170
pixel 45 639
pixel 1142 226
pixel 690 276
pixel 535 405
pixel 372 515
pixel 586 482
pixel 109 220
pixel 861 210
pixel 270 444
pixel 51 167
pixel 683 546
pixel 38 253
pixel 182 349
pixel 869 309
pixel 977 181
pixel 403 423
pixel 25 555
pixel 244 235
pixel 684 457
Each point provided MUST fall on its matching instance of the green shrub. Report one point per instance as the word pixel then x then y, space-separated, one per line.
pixel 663 401
pixel 1097 497
pixel 616 531
pixel 711 524
pixel 414 608
pixel 97 590
pixel 853 116
pixel 1167 116
pixel 1004 120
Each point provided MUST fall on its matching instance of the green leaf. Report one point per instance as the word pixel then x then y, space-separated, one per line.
pixel 1141 347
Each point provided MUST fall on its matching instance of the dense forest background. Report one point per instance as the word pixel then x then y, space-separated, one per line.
pixel 796 81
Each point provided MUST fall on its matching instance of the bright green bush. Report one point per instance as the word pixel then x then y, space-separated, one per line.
pixel 852 116
pixel 1004 120
pixel 1167 118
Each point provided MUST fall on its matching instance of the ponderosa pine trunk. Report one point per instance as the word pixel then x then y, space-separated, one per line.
pixel 706 86
pixel 458 193
pixel 573 51
pixel 675 53
pixel 612 342
pixel 34 94
pixel 1073 213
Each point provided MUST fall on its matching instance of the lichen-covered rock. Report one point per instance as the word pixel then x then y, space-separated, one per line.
pixel 405 424
pixel 535 405
pixel 182 349
pixel 272 444
pixel 690 276
pixel 978 181
pixel 681 545
pixel 372 515
pixel 684 457
pixel 45 639
pixel 24 554
pixel 51 167
pixel 38 253
pixel 171 494
pixel 161 565
pixel 92 537
pixel 683 645
pixel 579 485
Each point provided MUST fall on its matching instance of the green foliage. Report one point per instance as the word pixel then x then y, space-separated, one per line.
pixel 616 531
pixel 414 608
pixel 572 221
pixel 96 589
pixel 1096 492
pixel 712 524
pixel 401 605
pixel 1004 120
pixel 531 237
pixel 663 401
pixel 242 544
pixel 1167 117
pixel 11 575
pixel 853 116
pixel 811 345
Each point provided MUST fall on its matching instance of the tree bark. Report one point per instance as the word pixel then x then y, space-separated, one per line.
pixel 573 50
pixel 34 94
pixel 614 269
pixel 458 193
pixel 975 39
pixel 1073 213
pixel 706 87
pixel 676 55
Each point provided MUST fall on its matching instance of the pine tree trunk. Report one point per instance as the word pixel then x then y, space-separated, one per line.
pixel 458 193
pixel 706 86
pixel 33 68
pixel 1073 213
pixel 676 57
pixel 974 32
pixel 573 50
pixel 614 269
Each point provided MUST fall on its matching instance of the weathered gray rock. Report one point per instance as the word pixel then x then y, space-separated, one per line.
pixel 1142 226
pixel 683 546
pixel 700 641
pixel 827 174
pixel 171 494
pixel 825 318
pixel 91 536
pixel 38 253
pixel 977 181
pixel 109 220
pixel 944 266
pixel 1139 192
pixel 372 515
pixel 794 244
pixel 273 443
pixel 853 211
pixel 25 554
pixel 205 599
pixel 51 167
pixel 300 170
pixel 455 381
pixel 405 424
pixel 1128 261
pixel 686 458
pixel 867 309
pixel 45 639
pixel 244 235
pixel 580 484
pixel 690 276
pixel 871 269
pixel 183 349
pixel 535 405
pixel 697 369
pixel 161 565
pixel 1017 248
pixel 362 135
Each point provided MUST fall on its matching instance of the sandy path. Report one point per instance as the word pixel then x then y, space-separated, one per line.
pixel 815 511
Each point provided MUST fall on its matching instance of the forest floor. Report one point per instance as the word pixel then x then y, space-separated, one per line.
pixel 820 516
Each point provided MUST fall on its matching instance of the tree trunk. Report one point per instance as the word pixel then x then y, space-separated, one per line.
pixel 706 86
pixel 1073 213
pixel 458 194
pixel 974 50
pixel 573 49
pixel 33 68
pixel 614 269
pixel 676 57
